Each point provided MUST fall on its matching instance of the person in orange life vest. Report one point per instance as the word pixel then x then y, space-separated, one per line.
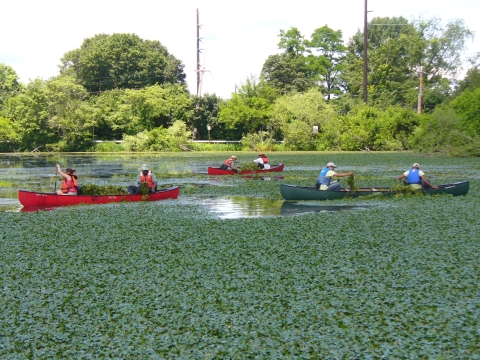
pixel 69 182
pixel 145 176
pixel 262 162
pixel 229 164
pixel 416 178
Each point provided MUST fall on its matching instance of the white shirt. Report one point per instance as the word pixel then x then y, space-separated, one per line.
pixel 260 161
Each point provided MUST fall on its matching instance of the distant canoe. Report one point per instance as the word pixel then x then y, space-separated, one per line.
pixel 218 171
pixel 293 192
pixel 37 199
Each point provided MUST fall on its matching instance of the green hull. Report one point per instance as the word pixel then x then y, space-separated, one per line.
pixel 293 192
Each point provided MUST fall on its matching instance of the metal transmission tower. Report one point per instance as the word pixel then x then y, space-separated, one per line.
pixel 365 46
pixel 200 70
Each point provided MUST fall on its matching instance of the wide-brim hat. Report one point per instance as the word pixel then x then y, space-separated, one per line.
pixel 417 165
pixel 331 164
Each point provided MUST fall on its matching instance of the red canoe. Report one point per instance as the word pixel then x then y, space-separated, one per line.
pixel 218 171
pixel 36 199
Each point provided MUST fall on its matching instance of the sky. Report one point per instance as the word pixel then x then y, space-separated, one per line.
pixel 237 37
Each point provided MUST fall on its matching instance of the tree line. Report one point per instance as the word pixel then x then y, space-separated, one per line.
pixel 310 95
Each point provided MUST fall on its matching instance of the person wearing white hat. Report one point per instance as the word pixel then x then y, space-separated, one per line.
pixel 324 180
pixel 145 176
pixel 262 162
pixel 416 178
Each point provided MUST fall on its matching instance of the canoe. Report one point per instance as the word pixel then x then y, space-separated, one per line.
pixel 218 171
pixel 37 199
pixel 293 192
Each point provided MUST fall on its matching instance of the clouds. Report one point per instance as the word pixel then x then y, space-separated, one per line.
pixel 237 37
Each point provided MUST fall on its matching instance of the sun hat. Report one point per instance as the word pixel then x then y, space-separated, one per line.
pixel 233 157
pixel 416 165
pixel 331 164
pixel 261 155
pixel 144 167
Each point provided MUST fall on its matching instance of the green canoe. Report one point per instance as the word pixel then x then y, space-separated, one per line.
pixel 293 192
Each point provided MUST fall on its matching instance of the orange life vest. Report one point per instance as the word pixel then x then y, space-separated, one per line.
pixel 148 179
pixel 265 160
pixel 70 185
pixel 227 162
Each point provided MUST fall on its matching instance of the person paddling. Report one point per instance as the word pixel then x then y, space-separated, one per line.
pixel 69 182
pixel 416 179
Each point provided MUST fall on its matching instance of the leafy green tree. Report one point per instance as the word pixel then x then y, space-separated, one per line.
pixel 292 41
pixel 9 83
pixel 132 111
pixel 206 112
pixel 121 61
pixel 327 58
pixel 470 82
pixel 249 110
pixel 9 137
pixel 52 113
pixel 467 107
pixel 397 52
pixel 294 116
pixel 287 73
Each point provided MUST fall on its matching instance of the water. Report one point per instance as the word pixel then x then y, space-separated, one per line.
pixel 38 173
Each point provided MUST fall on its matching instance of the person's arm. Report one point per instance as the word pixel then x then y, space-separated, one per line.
pixel 257 161
pixel 59 170
pixel 424 179
pixel 154 179
pixel 401 177
pixel 344 174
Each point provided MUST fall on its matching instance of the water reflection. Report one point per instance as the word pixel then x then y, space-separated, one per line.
pixel 246 207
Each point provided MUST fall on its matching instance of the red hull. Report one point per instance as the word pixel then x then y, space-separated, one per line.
pixel 36 199
pixel 218 171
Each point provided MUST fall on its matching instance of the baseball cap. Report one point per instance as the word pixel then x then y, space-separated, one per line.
pixel 331 164
pixel 144 167
pixel 416 165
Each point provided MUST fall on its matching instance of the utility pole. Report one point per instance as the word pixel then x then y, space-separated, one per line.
pixel 420 92
pixel 198 55
pixel 365 46
pixel 199 69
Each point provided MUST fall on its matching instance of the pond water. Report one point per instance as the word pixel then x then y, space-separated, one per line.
pixel 242 207
pixel 38 173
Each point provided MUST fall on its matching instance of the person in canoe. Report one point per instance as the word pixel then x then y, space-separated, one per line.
pixel 230 164
pixel 145 176
pixel 69 182
pixel 416 178
pixel 262 162
pixel 324 180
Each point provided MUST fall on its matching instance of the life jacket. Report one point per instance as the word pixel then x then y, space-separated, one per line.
pixel 324 180
pixel 265 160
pixel 227 162
pixel 413 176
pixel 70 185
pixel 148 179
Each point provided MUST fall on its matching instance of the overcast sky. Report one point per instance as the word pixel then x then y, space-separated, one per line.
pixel 237 36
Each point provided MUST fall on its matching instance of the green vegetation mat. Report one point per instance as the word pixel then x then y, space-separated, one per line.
pixel 170 280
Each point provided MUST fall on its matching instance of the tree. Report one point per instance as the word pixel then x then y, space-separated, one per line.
pixel 9 84
pixel 206 112
pixel 249 110
pixel 327 60
pixel 292 41
pixel 52 112
pixel 398 51
pixel 294 116
pixel 287 73
pixel 121 61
